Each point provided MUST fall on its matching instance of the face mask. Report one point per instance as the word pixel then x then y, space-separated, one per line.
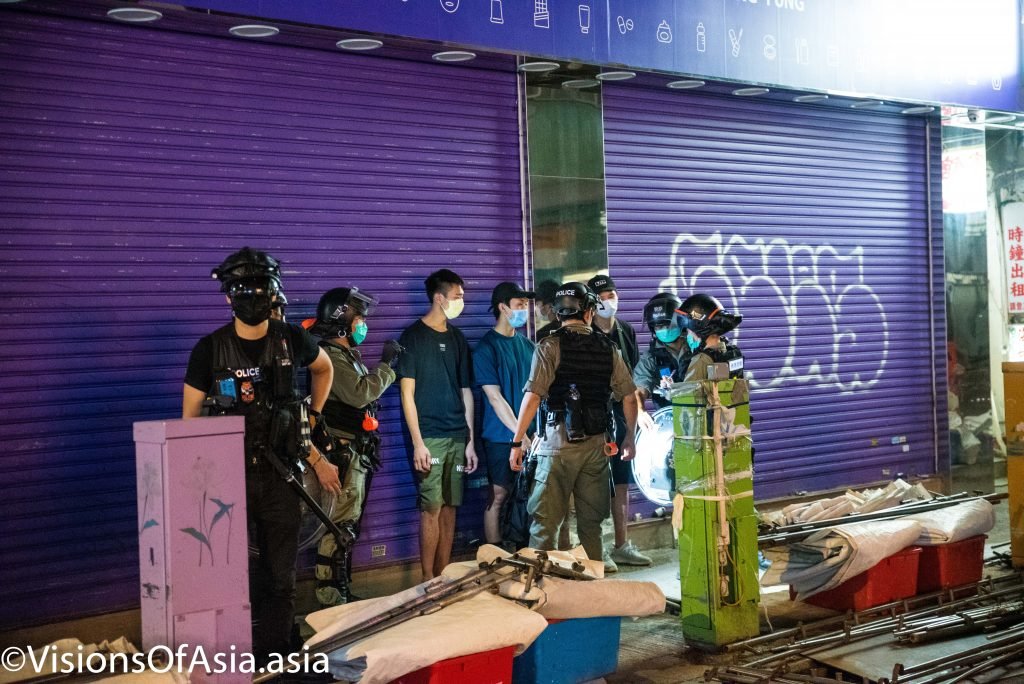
pixel 251 308
pixel 455 307
pixel 358 333
pixel 607 308
pixel 692 342
pixel 517 317
pixel 668 335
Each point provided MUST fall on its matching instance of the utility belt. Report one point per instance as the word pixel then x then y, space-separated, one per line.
pixel 364 448
pixel 579 424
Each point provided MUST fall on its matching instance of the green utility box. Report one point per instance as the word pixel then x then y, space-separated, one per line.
pixel 718 567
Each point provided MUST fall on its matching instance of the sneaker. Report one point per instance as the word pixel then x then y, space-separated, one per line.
pixel 628 554
pixel 609 564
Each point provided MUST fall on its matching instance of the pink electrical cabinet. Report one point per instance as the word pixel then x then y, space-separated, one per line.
pixel 193 547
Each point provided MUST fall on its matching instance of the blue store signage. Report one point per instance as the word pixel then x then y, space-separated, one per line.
pixel 949 51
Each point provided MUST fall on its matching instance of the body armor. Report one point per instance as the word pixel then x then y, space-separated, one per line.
pixel 584 378
pixel 264 393
pixel 665 359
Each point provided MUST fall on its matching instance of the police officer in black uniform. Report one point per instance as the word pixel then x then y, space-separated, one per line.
pixel 576 372
pixel 248 368
pixel 707 322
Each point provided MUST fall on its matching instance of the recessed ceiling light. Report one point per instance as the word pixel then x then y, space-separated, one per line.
pixel 922 109
pixel 816 97
pixel 454 56
pixel 9 2
pixel 254 31
pixel 685 84
pixel 135 15
pixel 1019 123
pixel 538 67
pixel 867 104
pixel 359 44
pixel 1000 118
pixel 750 92
pixel 577 83
pixel 615 75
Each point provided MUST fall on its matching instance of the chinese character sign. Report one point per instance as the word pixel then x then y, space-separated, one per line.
pixel 1013 248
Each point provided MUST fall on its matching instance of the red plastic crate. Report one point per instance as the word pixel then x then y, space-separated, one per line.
pixel 488 667
pixel 951 565
pixel 892 579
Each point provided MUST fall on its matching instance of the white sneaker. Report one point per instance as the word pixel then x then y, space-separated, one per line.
pixel 609 564
pixel 628 554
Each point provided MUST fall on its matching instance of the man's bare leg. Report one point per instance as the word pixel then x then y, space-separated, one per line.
pixel 429 536
pixel 445 538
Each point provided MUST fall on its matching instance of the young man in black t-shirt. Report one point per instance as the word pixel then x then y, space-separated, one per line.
pixel 246 366
pixel 437 402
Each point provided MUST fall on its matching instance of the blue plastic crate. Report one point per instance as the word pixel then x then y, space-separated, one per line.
pixel 570 651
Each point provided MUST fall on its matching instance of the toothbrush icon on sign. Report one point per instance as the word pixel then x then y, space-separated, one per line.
pixel 541 18
pixel 734 39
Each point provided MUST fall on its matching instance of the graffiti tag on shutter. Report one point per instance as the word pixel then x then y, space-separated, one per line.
pixel 832 325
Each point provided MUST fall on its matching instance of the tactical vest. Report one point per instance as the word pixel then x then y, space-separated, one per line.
pixel 663 358
pixel 259 392
pixel 586 361
pixel 731 355
pixel 341 416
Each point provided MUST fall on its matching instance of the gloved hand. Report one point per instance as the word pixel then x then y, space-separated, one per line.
pixel 392 350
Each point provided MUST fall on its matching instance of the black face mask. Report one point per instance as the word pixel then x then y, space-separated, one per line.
pixel 252 308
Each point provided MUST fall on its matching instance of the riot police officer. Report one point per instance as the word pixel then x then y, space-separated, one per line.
pixel 247 368
pixel 667 356
pixel 350 413
pixel 707 322
pixel 576 372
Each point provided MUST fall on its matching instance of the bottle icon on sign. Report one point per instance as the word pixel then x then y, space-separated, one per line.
pixel 584 19
pixel 497 16
pixel 664 34
pixel 702 37
pixel 450 6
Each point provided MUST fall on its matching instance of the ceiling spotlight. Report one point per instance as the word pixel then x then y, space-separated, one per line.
pixel 750 92
pixel 359 44
pixel 806 99
pixel 615 75
pixel 921 109
pixel 685 84
pixel 454 56
pixel 538 67
pixel 577 83
pixel 254 31
pixel 135 15
pixel 867 104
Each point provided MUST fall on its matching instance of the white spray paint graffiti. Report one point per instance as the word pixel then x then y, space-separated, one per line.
pixel 799 276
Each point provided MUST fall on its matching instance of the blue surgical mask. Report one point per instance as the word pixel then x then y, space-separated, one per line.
pixel 692 342
pixel 517 317
pixel 668 335
pixel 359 331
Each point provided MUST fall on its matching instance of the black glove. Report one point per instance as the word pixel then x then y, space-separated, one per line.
pixel 392 350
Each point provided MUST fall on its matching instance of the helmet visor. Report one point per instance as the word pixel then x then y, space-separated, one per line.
pixel 361 302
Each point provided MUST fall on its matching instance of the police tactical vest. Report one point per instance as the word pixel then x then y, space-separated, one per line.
pixel 731 355
pixel 342 416
pixel 257 391
pixel 586 361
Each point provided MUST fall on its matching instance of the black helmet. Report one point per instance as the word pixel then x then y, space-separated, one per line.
pixel 704 315
pixel 661 309
pixel 280 301
pixel 573 299
pixel 250 267
pixel 336 310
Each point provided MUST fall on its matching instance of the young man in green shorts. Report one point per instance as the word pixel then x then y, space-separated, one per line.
pixel 437 402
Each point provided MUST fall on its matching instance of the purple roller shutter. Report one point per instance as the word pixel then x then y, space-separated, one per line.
pixel 812 223
pixel 135 160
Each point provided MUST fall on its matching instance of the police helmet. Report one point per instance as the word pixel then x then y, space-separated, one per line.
pixel 249 268
pixel 337 308
pixel 704 315
pixel 661 309
pixel 573 299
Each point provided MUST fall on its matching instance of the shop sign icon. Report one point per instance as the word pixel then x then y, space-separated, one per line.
pixel 664 34
pixel 450 6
